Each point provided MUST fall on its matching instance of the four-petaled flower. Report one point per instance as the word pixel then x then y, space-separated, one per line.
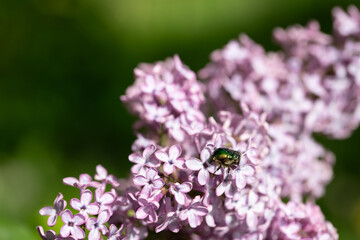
pixel 194 212
pixel 95 225
pixel 102 175
pixel 172 159
pixel 179 191
pixel 150 182
pixel 200 165
pixel 84 206
pixel 82 183
pixel 54 212
pixel 172 222
pixel 147 209
pixel 104 199
pixel 114 233
pixel 241 173
pixel 72 225
pixel 143 161
pixel 250 206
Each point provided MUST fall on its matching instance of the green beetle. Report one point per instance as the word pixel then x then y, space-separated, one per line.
pixel 225 157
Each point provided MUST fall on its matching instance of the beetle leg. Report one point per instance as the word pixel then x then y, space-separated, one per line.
pixel 228 174
pixel 217 169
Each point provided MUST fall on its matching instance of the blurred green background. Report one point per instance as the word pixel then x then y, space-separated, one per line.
pixel 64 64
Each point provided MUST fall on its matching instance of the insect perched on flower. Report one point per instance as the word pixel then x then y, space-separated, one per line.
pixel 225 157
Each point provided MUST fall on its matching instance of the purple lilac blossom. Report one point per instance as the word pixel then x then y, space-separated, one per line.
pixel 165 95
pixel 84 206
pixel 72 225
pixel 84 181
pixel 54 212
pixel 300 221
pixel 267 106
pixel 48 235
pixel 313 86
pixel 97 225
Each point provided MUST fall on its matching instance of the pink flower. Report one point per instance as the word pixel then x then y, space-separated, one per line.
pixel 241 173
pixel 200 165
pixel 143 161
pixel 154 113
pixel 84 181
pixel 251 208
pixel 179 191
pixel 150 182
pixel 72 225
pixel 102 175
pixel 104 199
pixel 347 24
pixel 95 225
pixel 194 213
pixel 172 222
pixel 227 186
pixel 84 206
pixel 114 233
pixel 172 159
pixel 147 209
pixel 48 235
pixel 54 212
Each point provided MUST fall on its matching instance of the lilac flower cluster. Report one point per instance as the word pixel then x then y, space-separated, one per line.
pixel 312 86
pixel 267 106
pixel 166 96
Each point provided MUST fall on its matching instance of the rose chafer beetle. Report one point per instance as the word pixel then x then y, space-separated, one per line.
pixel 225 157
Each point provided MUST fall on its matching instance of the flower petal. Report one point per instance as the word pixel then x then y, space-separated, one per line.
pixel 169 168
pixel 79 219
pixel 47 211
pixel 101 173
pixel 136 158
pixel 251 219
pixel 151 174
pixel 174 226
pixel 192 219
pixel 240 181
pixel 66 216
pixel 158 183
pixel 65 231
pixel 186 187
pixel 194 164
pixel 203 176
pixel 142 213
pixel 86 197
pixel 148 151
pixel 107 198
pixel 70 181
pixel 162 226
pixel 78 233
pixel 205 154
pixel 153 216
pixel 174 151
pixel 253 198
pixel 85 178
pixel 259 207
pixel 140 180
pixel 52 220
pixel 75 204
pixel 93 208
pixel 162 156
pixel 247 170
pixel 103 217
pixel 179 197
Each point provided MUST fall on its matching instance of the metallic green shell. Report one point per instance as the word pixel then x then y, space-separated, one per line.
pixel 225 157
